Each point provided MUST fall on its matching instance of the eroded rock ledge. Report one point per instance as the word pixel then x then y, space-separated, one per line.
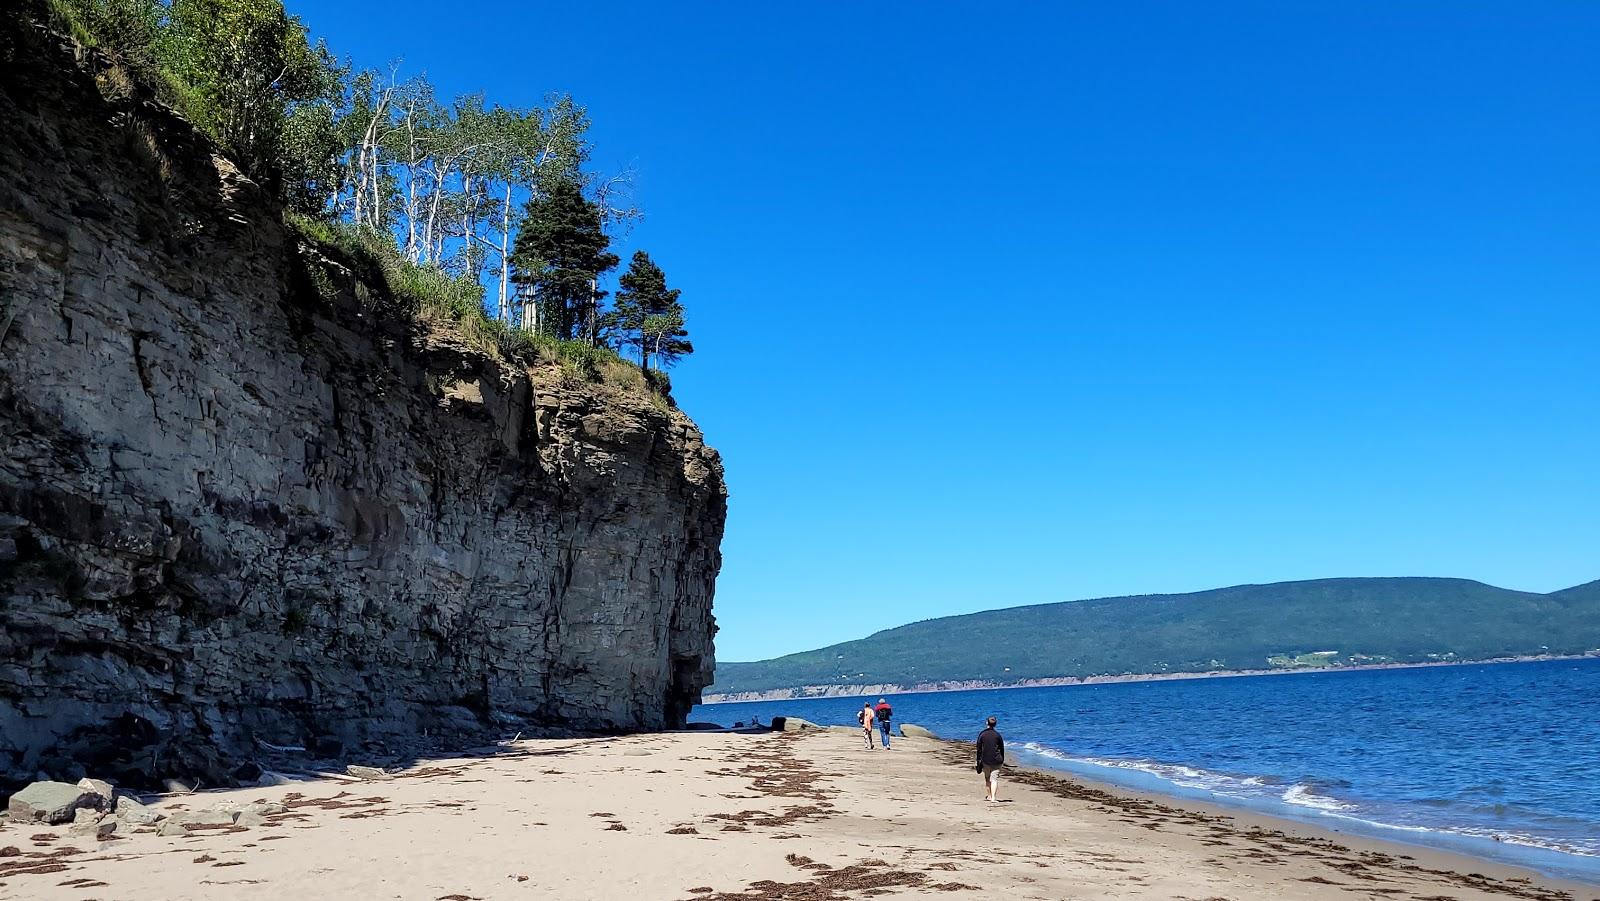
pixel 237 507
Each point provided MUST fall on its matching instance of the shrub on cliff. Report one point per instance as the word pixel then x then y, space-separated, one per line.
pixel 428 293
pixel 241 70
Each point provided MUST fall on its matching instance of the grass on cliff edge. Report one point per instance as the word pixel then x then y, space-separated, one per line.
pixel 427 293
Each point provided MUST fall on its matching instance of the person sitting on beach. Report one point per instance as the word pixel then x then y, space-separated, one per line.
pixel 865 718
pixel 991 757
pixel 884 713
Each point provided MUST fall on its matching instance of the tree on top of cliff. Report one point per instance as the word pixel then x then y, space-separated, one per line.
pixel 444 180
pixel 647 314
pixel 560 255
pixel 242 68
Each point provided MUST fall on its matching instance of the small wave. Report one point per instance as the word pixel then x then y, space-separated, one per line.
pixel 1177 774
pixel 1529 841
pixel 1305 795
pixel 1300 795
pixel 1477 832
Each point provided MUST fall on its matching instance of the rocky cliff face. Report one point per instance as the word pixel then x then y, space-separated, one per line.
pixel 240 507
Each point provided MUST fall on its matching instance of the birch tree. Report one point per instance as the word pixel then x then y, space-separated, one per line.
pixel 366 130
pixel 529 150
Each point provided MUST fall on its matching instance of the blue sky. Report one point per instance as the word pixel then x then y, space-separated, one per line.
pixel 1048 301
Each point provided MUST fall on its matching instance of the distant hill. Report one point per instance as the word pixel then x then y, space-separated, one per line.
pixel 1285 625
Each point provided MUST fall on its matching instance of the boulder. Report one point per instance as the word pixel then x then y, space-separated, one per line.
pixel 250 819
pixel 180 823
pixel 368 772
pixel 172 826
pixel 50 802
pixel 908 730
pixel 211 817
pixel 793 724
pixel 101 788
pixel 93 823
pixel 264 808
pixel 133 813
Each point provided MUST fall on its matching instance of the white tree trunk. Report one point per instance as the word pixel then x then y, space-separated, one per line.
pixel 413 166
pixel 505 256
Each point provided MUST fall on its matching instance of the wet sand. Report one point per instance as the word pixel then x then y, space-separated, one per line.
pixel 810 816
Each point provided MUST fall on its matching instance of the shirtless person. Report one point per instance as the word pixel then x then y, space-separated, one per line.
pixel 866 718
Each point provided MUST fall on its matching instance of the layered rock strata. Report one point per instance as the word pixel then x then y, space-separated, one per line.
pixel 240 504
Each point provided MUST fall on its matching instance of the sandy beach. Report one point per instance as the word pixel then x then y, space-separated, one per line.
pixel 718 816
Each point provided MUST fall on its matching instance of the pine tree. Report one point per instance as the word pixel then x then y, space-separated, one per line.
pixel 561 253
pixel 647 314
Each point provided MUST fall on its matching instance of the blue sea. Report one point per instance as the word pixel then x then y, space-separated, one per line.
pixel 1497 760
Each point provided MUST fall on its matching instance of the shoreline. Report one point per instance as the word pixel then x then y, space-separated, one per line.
pixel 808 692
pixel 691 816
pixel 1432 855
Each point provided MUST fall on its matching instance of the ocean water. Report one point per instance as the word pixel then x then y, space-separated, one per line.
pixel 1497 760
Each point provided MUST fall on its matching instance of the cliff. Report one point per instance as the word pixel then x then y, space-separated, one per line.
pixel 240 503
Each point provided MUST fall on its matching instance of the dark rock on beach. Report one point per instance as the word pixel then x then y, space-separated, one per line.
pixel 51 802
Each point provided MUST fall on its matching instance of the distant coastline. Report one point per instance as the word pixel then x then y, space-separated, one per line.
pixel 846 691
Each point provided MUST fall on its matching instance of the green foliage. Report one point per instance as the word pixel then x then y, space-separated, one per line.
pixel 241 70
pixel 395 164
pixel 647 314
pixel 244 67
pixel 1246 627
pixel 560 255
pixel 419 290
pixel 128 29
pixel 431 294
pixel 308 155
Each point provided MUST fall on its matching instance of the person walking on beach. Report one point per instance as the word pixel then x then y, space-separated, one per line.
pixel 991 757
pixel 884 713
pixel 865 718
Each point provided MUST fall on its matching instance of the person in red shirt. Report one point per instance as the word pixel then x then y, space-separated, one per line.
pixel 884 713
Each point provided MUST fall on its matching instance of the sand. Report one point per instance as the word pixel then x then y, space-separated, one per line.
pixel 716 816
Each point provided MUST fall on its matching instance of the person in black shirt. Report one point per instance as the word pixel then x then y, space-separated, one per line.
pixel 991 757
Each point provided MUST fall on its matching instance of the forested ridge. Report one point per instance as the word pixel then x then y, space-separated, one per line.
pixel 1325 623
pixel 486 213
